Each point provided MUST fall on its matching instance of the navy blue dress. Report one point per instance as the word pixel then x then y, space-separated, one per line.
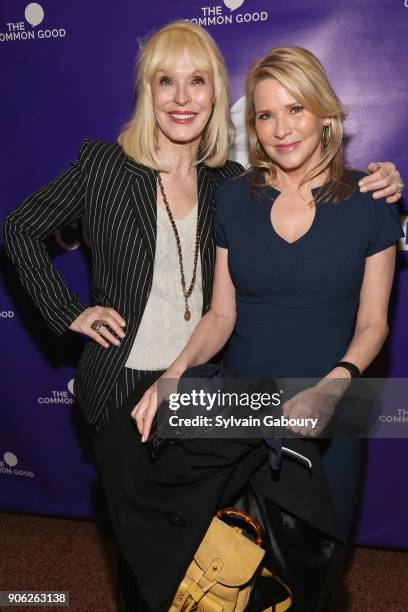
pixel 297 303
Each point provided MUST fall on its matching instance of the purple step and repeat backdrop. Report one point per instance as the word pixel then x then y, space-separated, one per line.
pixel 67 72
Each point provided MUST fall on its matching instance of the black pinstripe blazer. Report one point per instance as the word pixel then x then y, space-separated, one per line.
pixel 115 198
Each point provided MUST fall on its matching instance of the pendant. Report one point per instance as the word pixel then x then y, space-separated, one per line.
pixel 187 315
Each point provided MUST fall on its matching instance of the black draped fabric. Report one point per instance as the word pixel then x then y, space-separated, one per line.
pixel 161 509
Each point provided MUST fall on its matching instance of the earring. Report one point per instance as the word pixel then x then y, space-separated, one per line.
pixel 326 135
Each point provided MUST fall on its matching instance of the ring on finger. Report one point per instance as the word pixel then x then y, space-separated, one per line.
pixel 97 324
pixel 400 186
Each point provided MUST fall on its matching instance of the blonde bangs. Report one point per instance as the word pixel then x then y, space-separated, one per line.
pixel 306 87
pixel 173 45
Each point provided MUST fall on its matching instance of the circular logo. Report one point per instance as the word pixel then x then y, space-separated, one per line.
pixel 233 4
pixel 34 14
pixel 70 385
pixel 10 459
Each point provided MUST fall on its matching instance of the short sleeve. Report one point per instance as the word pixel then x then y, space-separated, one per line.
pixel 220 217
pixel 386 227
pixel 220 234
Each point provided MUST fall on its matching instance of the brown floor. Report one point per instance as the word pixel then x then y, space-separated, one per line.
pixel 78 556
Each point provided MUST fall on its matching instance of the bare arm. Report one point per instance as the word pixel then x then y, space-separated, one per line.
pixel 370 332
pixel 372 317
pixel 208 338
pixel 215 328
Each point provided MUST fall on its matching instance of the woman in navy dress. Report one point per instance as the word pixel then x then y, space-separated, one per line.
pixel 305 261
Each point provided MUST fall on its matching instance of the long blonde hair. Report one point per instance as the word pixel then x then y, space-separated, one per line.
pixel 161 51
pixel 304 77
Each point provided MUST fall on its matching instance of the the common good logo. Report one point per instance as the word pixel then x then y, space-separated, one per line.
pixel 10 466
pixel 7 314
pixel 64 396
pixel 403 242
pixel 227 14
pixel 400 416
pixel 28 30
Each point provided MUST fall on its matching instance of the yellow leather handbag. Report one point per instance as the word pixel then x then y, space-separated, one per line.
pixel 224 569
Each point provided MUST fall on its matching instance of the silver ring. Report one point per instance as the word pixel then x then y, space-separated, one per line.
pixel 400 187
pixel 97 324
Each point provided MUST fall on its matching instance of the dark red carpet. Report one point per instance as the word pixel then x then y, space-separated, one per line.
pixel 40 553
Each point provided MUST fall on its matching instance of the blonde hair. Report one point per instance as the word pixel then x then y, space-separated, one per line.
pixel 161 51
pixel 304 77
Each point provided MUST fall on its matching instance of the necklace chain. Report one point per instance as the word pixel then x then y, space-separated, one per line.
pixel 186 292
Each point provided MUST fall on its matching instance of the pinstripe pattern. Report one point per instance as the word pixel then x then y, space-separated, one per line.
pixel 115 198
pixel 124 385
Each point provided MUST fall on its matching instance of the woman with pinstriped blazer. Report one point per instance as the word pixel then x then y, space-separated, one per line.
pixel 146 204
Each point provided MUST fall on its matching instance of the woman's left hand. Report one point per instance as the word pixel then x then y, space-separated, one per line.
pixel 384 180
pixel 318 402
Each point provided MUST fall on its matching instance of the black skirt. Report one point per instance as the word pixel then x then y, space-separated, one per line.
pixel 130 384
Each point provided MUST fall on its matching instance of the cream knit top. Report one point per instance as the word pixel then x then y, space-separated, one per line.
pixel 163 332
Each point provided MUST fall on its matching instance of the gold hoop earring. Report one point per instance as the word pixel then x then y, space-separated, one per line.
pixel 326 135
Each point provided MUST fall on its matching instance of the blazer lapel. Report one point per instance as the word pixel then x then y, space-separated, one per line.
pixel 205 209
pixel 206 184
pixel 143 190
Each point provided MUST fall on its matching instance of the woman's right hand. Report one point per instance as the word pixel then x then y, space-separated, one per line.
pixel 145 410
pixel 111 322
